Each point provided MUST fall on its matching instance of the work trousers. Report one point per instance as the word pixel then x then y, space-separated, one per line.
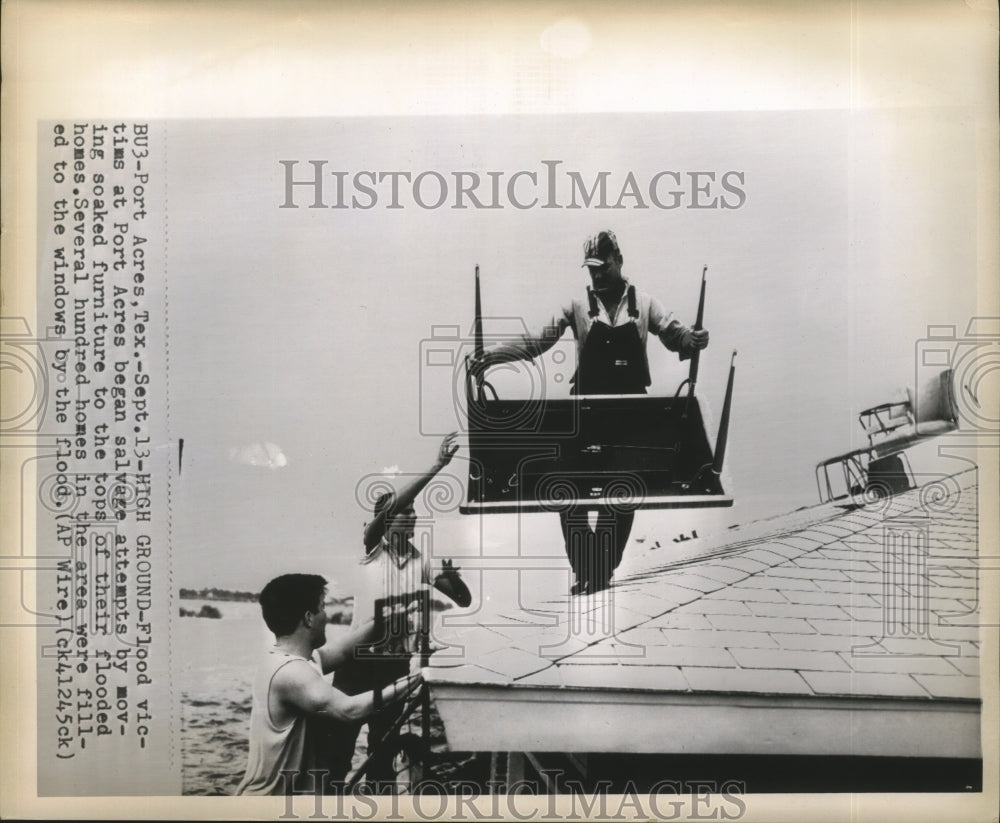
pixel 595 553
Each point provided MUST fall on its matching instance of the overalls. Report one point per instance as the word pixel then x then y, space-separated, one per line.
pixel 612 361
pixel 613 358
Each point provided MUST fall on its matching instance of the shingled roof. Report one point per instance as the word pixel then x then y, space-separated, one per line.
pixel 828 630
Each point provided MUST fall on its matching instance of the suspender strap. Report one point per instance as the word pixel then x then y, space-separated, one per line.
pixel 633 309
pixel 633 312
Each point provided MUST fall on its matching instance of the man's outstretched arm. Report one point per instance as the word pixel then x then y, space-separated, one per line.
pixel 300 687
pixel 405 496
pixel 527 347
pixel 339 649
pixel 673 334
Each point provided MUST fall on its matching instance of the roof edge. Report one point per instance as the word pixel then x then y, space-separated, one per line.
pixel 502 718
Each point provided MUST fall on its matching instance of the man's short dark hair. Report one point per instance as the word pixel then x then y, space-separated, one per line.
pixel 285 599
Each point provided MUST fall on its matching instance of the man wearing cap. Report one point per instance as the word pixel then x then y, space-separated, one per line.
pixel 610 323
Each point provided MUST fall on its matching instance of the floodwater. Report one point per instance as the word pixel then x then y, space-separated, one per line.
pixel 217 662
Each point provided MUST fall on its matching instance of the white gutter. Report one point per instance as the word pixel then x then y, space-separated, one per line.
pixel 535 719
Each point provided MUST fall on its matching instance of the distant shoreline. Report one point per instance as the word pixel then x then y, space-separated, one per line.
pixel 339 609
pixel 217 594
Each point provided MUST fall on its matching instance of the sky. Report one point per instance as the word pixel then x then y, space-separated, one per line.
pixel 296 334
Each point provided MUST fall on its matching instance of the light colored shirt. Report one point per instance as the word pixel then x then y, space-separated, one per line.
pixel 387 574
pixel 576 316
pixel 274 750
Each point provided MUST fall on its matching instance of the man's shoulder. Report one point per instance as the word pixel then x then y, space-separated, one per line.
pixel 646 300
pixel 577 303
pixel 291 670
pixel 641 294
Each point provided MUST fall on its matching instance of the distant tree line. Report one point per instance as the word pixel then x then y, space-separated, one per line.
pixel 206 611
pixel 218 594
pixel 340 609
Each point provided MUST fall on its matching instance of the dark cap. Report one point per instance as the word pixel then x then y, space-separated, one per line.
pixel 598 247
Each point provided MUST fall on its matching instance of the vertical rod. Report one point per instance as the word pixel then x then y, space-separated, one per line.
pixel 477 333
pixel 693 371
pixel 720 441
pixel 425 653
pixel 478 328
